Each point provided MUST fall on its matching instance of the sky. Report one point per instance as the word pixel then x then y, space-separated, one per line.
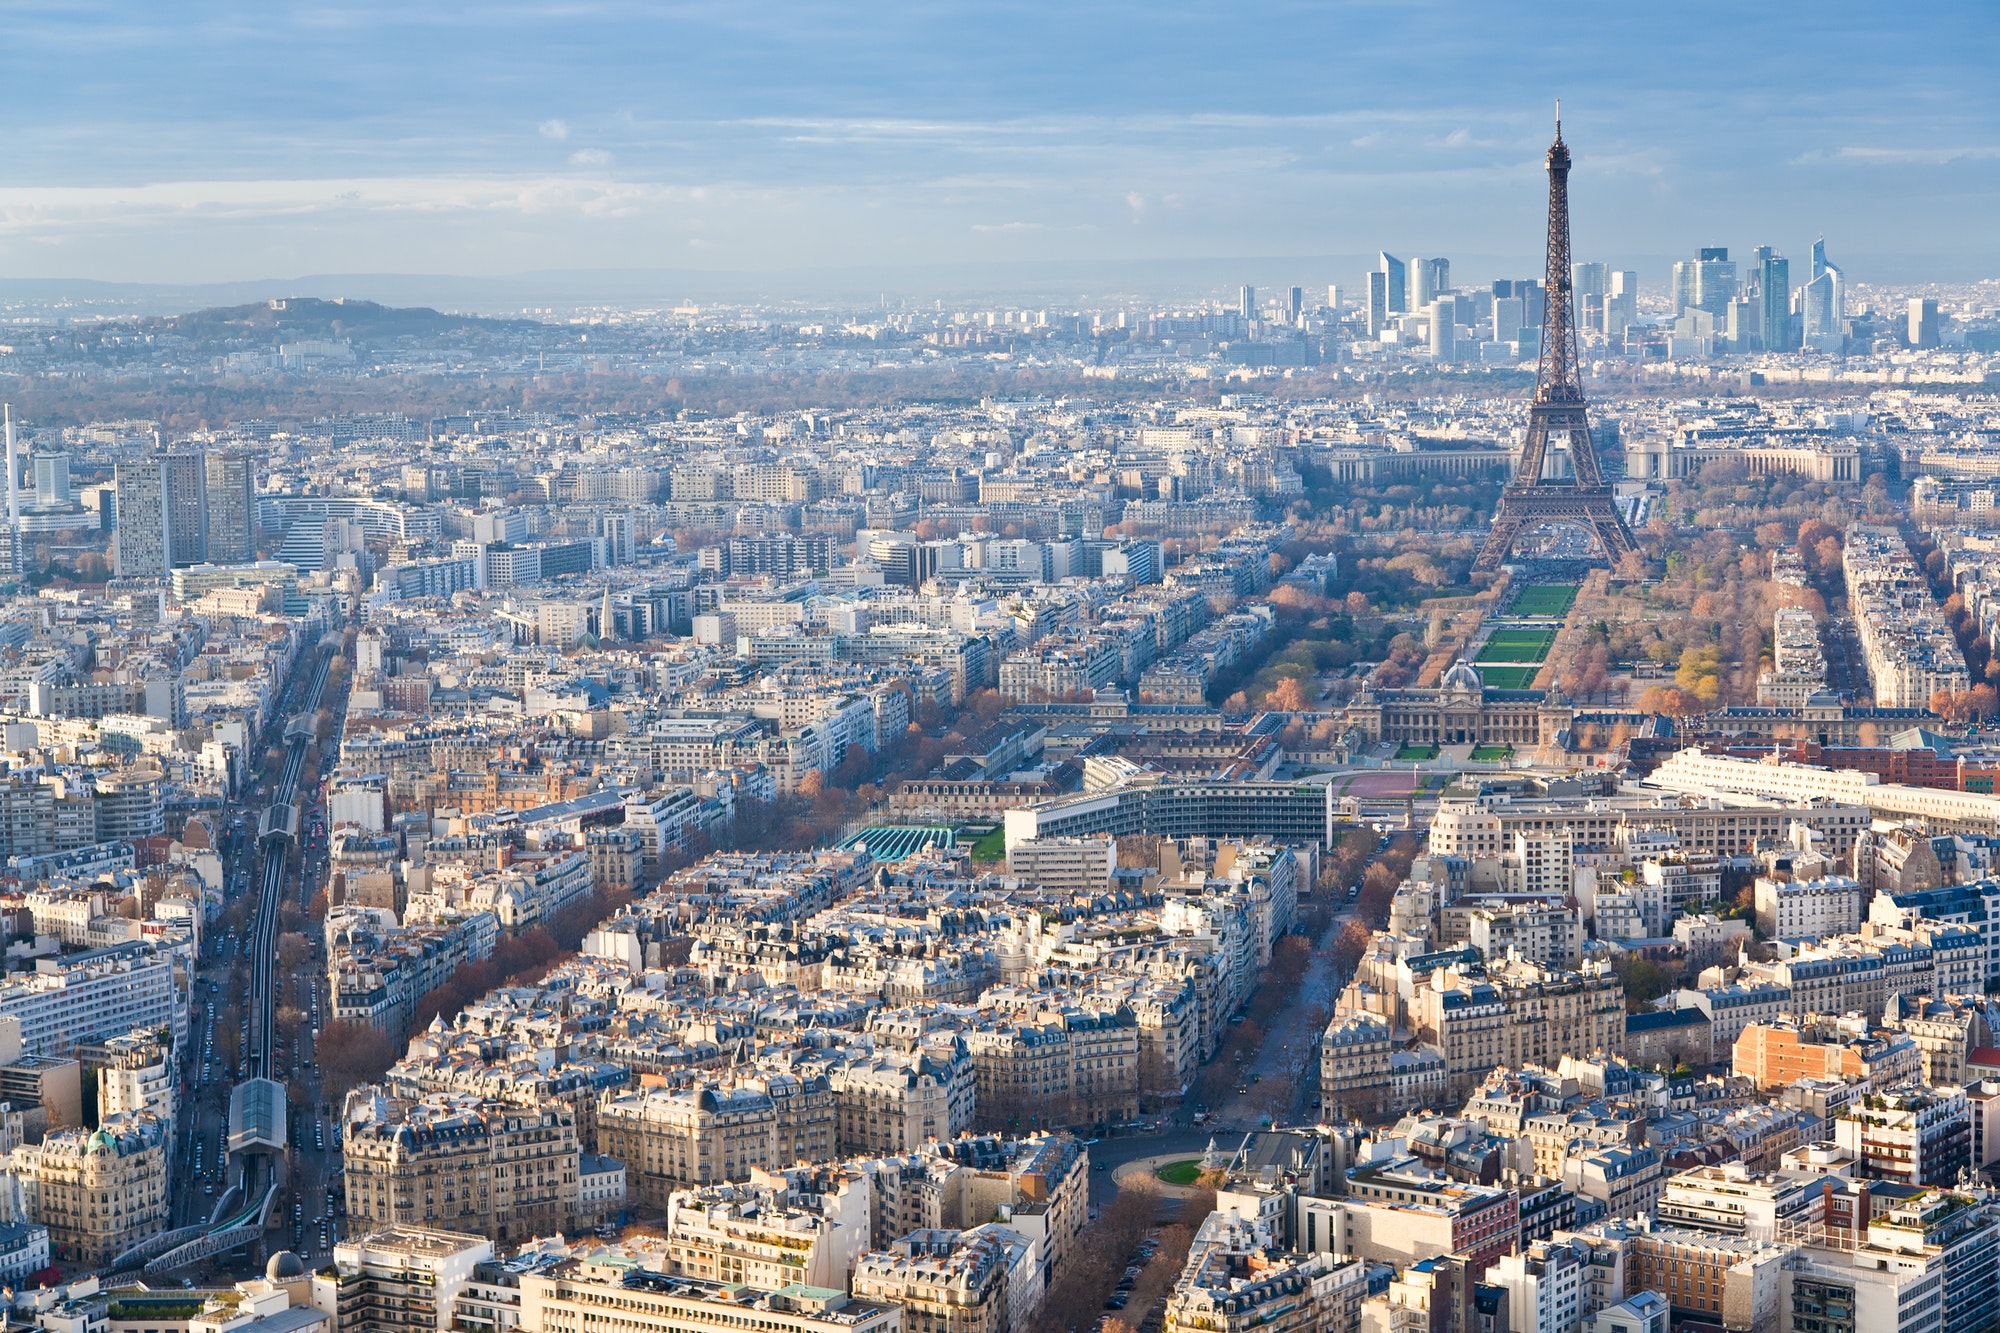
pixel 176 142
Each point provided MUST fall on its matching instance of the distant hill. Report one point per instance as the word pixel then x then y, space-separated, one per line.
pixel 307 317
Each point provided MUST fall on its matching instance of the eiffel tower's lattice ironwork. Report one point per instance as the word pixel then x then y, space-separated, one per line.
pixel 1558 412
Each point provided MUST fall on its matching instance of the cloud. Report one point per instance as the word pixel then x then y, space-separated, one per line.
pixel 1903 157
pixel 28 210
pixel 589 157
pixel 554 129
pixel 1010 226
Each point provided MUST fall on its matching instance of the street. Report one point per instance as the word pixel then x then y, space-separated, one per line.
pixel 240 988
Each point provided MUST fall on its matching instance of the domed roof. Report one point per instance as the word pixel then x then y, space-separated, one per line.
pixel 284 1264
pixel 101 1142
pixel 1462 676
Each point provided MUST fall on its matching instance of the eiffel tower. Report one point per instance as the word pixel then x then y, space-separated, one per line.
pixel 1581 499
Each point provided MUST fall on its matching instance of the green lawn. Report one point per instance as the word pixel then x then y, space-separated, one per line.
pixel 1492 754
pixel 992 847
pixel 1180 1173
pixel 1517 645
pixel 1509 677
pixel 1545 599
pixel 1417 753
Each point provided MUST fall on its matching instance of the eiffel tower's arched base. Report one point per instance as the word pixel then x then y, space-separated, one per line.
pixel 1523 507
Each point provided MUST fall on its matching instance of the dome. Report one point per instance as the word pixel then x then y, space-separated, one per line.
pixel 1462 677
pixel 101 1142
pixel 284 1264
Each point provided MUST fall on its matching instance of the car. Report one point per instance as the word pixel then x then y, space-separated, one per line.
pixel 1115 1303
pixel 1098 1166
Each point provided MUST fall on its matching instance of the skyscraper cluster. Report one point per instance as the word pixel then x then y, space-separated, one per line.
pixel 1759 310
pixel 1501 321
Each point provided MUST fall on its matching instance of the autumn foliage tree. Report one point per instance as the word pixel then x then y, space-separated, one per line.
pixel 351 1054
pixel 1289 696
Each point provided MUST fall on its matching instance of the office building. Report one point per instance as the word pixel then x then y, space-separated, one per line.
pixel 52 487
pixel 1378 303
pixel 1621 304
pixel 1590 284
pixel 1396 279
pixel 1443 330
pixel 1923 322
pixel 1774 316
pixel 1429 279
pixel 1246 302
pixel 1706 282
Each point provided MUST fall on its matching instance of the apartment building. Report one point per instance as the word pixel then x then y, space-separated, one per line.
pixel 1777 1055
pixel 1471 828
pixel 1355 1060
pixel 1732 1199
pixel 1709 1277
pixel 1397 1211
pixel 1549 935
pixel 753 1235
pixel 1913 1134
pixel 1544 1286
pixel 378 970
pixel 399 1279
pixel 947 1281
pixel 93 996
pixel 101 1191
pixel 1079 865
pixel 503 1171
pixel 1237 1279
pixel 1906 642
pixel 135 1072
pixel 1808 908
pixel 691 1136
pixel 895 1103
pixel 610 1290
pixel 1516 1014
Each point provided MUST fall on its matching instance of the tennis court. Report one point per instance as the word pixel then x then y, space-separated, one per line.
pixel 1546 599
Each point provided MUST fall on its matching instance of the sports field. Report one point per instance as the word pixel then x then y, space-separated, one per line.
pixel 1545 599
pixel 1509 677
pixel 1517 645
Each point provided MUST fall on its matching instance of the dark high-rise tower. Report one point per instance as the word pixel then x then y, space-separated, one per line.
pixel 1580 499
